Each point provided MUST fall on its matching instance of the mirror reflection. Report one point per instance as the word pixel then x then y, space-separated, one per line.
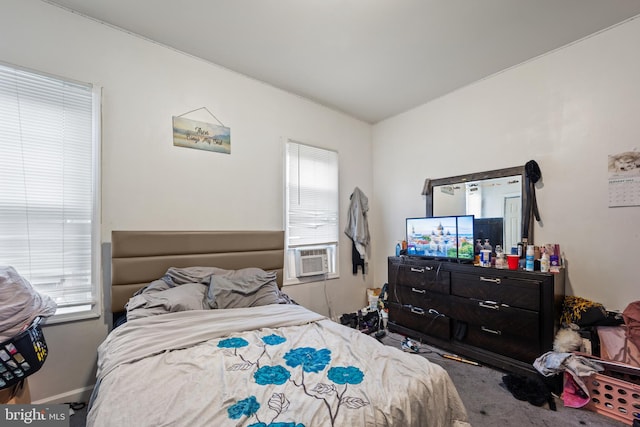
pixel 496 204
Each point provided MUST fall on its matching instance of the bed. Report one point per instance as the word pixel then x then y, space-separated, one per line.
pixel 249 355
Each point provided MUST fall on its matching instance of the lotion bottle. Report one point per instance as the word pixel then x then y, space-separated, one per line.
pixel 529 258
pixel 500 260
pixel 544 262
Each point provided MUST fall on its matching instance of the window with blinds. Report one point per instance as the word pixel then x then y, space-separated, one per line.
pixel 48 186
pixel 311 212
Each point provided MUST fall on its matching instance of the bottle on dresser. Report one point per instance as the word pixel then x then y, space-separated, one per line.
pixel 529 258
pixel 487 245
pixel 476 252
pixel 545 263
pixel 522 250
pixel 500 258
pixel 485 254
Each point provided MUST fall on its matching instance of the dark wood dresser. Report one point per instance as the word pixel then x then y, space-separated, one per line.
pixel 502 318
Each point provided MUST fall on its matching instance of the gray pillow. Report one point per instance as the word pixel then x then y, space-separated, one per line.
pixel 190 296
pixel 248 287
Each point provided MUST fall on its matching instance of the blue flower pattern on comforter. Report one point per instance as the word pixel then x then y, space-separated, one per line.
pixel 302 361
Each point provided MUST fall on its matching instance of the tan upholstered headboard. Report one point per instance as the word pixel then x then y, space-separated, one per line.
pixel 140 257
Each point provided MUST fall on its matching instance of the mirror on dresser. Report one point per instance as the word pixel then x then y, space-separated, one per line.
pixel 496 198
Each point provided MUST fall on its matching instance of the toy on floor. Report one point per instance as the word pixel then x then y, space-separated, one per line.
pixel 410 346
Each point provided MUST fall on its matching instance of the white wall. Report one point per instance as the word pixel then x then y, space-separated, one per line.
pixel 147 183
pixel 567 110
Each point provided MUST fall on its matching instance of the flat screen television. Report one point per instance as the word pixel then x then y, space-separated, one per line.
pixel 465 235
pixel 441 237
pixel 433 237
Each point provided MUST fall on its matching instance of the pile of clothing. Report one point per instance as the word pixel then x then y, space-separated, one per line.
pixel 615 337
pixel 20 303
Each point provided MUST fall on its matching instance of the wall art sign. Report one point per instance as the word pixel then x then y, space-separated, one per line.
pixel 201 135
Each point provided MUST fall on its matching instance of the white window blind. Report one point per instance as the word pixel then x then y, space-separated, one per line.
pixel 312 195
pixel 48 144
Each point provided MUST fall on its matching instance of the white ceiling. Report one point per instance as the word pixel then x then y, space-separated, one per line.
pixel 371 59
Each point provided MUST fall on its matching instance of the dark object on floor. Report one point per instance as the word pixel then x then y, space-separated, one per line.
pixel 367 323
pixel 530 389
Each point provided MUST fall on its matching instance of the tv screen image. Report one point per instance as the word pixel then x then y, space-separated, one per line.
pixel 432 237
pixel 465 237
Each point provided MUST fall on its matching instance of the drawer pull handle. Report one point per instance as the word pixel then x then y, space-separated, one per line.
pixel 417 310
pixel 489 279
pixel 421 270
pixel 491 331
pixel 489 304
pixel 420 291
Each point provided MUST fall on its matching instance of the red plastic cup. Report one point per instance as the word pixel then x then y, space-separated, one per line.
pixel 512 261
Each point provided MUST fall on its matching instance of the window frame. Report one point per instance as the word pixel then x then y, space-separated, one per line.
pixel 93 307
pixel 330 245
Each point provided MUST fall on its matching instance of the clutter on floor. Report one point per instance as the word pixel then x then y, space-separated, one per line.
pixel 489 403
pixel 595 363
pixel 596 352
pixel 410 346
pixel 531 389
pixel 372 318
pixel 364 320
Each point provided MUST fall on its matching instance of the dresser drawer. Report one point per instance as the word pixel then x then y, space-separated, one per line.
pixel 518 347
pixel 420 320
pixel 428 276
pixel 498 287
pixel 419 297
pixel 497 318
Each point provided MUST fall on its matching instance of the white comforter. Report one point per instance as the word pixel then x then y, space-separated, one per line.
pixel 276 365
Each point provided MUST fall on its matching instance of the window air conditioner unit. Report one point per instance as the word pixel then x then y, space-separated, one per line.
pixel 311 262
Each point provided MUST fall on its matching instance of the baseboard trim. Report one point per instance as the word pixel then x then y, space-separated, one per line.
pixel 77 395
